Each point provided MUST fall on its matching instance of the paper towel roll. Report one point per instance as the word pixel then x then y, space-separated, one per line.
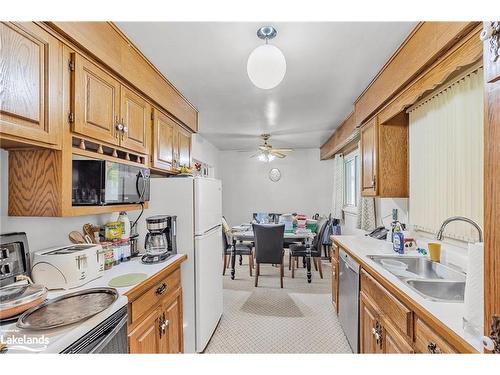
pixel 474 287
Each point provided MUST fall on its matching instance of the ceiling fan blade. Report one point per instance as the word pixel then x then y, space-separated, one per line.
pixel 282 149
pixel 264 148
pixel 277 154
pixel 255 155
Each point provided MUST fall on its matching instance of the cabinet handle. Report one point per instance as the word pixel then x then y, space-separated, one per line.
pixel 377 333
pixel 374 181
pixel 433 348
pixel 161 289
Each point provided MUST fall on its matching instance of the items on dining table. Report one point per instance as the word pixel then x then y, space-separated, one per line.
pixel 287 219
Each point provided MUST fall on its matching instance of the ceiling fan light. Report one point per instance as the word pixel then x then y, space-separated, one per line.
pixel 266 66
pixel 262 157
pixel 270 158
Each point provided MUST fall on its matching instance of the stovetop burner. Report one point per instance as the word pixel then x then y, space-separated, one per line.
pixel 153 259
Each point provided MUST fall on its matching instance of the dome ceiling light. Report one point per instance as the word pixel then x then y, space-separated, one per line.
pixel 266 66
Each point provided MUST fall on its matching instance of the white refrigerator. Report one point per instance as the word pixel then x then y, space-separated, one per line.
pixel 197 203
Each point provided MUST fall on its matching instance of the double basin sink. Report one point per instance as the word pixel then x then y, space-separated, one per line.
pixel 432 280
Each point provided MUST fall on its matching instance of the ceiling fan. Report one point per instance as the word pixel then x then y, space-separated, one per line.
pixel 266 151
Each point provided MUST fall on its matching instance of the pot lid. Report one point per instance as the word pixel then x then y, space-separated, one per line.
pixel 15 295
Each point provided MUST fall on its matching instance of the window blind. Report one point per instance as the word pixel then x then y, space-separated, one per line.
pixel 446 157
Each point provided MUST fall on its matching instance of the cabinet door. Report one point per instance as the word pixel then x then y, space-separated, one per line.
pixel 335 284
pixel 394 342
pixel 173 340
pixel 31 83
pixel 96 101
pixel 370 329
pixel 163 141
pixel 428 341
pixel 135 117
pixel 183 147
pixel 145 338
pixel 369 159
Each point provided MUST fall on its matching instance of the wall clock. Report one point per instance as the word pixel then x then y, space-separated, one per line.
pixel 274 175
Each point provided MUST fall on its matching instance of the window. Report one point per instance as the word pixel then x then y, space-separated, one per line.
pixel 351 179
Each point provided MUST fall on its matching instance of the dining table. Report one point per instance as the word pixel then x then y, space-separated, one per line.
pixel 244 233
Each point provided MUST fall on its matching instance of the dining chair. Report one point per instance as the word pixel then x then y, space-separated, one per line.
pixel 241 249
pixel 268 247
pixel 299 250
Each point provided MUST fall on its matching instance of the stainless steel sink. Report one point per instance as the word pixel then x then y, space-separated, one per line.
pixel 439 290
pixel 419 268
pixel 432 280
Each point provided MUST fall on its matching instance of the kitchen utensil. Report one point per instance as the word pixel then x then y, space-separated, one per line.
pixel 16 299
pixel 76 237
pixel 127 279
pixel 68 309
pixel 68 267
pixel 87 239
pixel 91 231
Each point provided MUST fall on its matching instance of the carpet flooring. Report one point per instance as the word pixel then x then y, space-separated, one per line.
pixel 296 319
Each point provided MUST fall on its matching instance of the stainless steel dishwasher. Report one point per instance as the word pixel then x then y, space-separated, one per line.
pixel 349 298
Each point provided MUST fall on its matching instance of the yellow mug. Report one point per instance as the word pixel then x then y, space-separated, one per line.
pixel 435 251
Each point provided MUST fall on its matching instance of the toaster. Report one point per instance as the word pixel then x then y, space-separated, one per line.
pixel 67 267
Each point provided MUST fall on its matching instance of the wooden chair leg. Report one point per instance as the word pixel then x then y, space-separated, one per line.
pixel 320 269
pixel 250 264
pixel 293 268
pixel 225 265
pixel 315 261
pixel 289 260
pixel 257 272
pixel 252 260
pixel 282 273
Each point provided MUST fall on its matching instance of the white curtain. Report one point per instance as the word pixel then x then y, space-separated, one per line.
pixel 446 157
pixel 338 186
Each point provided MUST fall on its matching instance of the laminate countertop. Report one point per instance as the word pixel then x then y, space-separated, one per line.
pixel 448 314
pixel 60 338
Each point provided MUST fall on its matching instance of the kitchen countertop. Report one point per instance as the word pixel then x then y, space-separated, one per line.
pixel 448 313
pixel 60 338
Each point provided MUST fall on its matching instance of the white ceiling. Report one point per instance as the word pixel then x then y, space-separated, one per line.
pixel 328 66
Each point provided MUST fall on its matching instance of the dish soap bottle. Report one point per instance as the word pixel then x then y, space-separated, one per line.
pixel 398 242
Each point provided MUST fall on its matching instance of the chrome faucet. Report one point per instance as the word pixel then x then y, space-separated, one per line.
pixel 439 235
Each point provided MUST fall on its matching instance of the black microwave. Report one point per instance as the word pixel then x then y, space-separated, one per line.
pixel 101 182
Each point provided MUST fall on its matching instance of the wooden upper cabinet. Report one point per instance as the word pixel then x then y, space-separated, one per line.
pixel 183 147
pixel 135 117
pixel 31 85
pixel 145 338
pixel 162 149
pixel 384 157
pixel 369 158
pixel 96 101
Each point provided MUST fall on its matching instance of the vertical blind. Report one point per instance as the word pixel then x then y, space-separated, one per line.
pixel 446 157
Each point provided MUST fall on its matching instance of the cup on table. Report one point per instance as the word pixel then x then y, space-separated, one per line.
pixel 435 251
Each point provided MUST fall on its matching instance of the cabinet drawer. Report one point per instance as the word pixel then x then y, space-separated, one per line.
pixel 155 294
pixel 428 341
pixel 400 315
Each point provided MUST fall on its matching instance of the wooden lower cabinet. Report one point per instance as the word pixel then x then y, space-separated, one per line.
pixel 335 284
pixel 155 314
pixel 370 328
pixel 145 338
pixel 394 342
pixel 428 341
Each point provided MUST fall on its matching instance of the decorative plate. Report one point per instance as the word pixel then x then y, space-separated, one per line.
pixel 274 174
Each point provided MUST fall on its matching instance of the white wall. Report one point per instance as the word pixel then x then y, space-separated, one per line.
pixel 306 185
pixel 204 151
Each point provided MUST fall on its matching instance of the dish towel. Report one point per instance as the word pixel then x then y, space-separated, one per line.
pixel 474 287
pixel 367 219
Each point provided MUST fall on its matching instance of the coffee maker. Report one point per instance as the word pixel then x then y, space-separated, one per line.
pixel 160 243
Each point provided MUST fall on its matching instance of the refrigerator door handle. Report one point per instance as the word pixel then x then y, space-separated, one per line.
pixel 210 231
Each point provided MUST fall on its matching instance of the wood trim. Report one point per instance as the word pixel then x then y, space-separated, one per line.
pixel 337 140
pixel 444 331
pixel 97 210
pixel 491 189
pixel 107 45
pixel 467 53
pixel 426 43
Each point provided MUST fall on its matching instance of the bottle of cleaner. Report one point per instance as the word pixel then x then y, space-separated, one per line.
pixel 398 242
